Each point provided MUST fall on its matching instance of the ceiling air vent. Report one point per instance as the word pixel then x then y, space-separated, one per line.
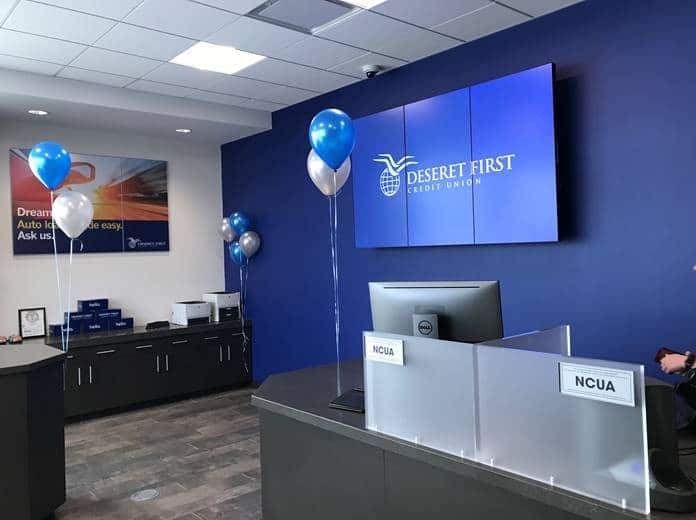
pixel 306 16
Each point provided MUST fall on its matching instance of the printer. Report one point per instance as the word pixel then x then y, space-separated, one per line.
pixel 224 306
pixel 190 313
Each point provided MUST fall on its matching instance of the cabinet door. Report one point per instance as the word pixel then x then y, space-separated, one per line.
pixel 214 363
pixel 180 365
pixel 72 383
pixel 142 376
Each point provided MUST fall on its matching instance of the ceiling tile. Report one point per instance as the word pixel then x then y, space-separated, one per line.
pixel 317 52
pixel 480 23
pixel 252 88
pixel 27 65
pixel 54 22
pixel 382 34
pixel 294 75
pixel 285 95
pixel 114 63
pixel 95 77
pixel 38 47
pixel 354 67
pixel 180 17
pixel 115 9
pixel 255 36
pixel 539 7
pixel 243 87
pixel 428 14
pixel 6 7
pixel 143 42
pixel 234 6
pixel 214 97
pixel 184 76
pixel 160 88
pixel 264 105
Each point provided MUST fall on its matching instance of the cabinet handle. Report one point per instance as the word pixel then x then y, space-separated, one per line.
pixel 102 352
pixel 71 357
pixel 220 354
pixel 79 376
pixel 211 337
pixel 229 355
pixel 158 366
pixel 166 360
pixel 142 347
pixel 90 374
pixel 180 342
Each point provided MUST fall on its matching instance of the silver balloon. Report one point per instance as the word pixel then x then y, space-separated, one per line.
pixel 249 242
pixel 225 230
pixel 322 174
pixel 73 212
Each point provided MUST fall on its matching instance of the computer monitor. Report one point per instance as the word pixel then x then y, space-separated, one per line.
pixel 466 311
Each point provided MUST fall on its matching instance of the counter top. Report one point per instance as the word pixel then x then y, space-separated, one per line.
pixel 27 356
pixel 304 395
pixel 140 333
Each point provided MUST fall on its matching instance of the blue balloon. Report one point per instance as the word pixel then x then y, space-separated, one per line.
pixel 236 253
pixel 240 223
pixel 50 163
pixel 332 136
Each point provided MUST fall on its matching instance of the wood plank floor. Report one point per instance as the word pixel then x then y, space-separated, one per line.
pixel 201 455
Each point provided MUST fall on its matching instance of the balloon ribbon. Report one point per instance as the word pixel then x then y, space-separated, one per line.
pixel 333 226
pixel 55 258
pixel 243 276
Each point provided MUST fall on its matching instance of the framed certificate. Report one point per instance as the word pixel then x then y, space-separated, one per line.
pixel 32 322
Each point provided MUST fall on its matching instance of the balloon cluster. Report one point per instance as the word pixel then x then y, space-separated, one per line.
pixel 72 211
pixel 332 137
pixel 244 243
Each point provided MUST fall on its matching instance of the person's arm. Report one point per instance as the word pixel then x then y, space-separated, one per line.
pixel 677 363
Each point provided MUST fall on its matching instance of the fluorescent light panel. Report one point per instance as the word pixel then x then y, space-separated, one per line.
pixel 216 58
pixel 364 4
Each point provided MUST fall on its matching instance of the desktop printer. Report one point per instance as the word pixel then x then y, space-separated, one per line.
pixel 190 313
pixel 224 306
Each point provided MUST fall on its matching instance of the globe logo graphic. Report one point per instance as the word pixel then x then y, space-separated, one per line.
pixel 390 178
pixel 388 183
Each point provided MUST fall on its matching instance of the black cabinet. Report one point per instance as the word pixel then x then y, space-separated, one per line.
pixel 113 375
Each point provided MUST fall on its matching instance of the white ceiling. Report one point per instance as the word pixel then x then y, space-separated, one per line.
pixel 127 44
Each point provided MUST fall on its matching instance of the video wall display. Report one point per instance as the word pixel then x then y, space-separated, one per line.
pixel 473 166
pixel 131 210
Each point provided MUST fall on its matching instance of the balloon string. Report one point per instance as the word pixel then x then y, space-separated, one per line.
pixel 67 332
pixel 333 224
pixel 55 258
pixel 242 310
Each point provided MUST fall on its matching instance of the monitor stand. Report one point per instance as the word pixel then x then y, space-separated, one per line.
pixel 350 401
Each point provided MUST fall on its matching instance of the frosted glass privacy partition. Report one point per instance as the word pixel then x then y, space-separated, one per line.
pixel 526 425
pixel 552 341
pixel 429 399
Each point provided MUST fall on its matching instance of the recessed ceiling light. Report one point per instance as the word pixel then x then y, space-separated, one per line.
pixel 37 112
pixel 365 4
pixel 183 130
pixel 217 58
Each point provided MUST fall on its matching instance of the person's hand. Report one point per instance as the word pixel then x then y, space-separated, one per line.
pixel 673 363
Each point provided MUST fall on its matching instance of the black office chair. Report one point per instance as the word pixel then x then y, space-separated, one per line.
pixel 670 488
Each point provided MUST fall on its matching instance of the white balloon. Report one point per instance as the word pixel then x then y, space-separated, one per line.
pixel 324 177
pixel 73 212
pixel 250 241
pixel 225 230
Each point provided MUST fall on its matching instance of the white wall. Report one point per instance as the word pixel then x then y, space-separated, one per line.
pixel 142 284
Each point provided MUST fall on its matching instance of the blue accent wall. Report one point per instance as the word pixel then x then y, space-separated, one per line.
pixel 621 275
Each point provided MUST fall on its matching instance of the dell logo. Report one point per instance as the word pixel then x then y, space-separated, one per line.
pixel 425 327
pixel 594 383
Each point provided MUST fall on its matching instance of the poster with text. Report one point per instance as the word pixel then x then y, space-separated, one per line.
pixel 131 210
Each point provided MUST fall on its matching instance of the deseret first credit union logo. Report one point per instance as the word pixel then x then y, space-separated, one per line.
pixel 390 178
pixel 438 177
